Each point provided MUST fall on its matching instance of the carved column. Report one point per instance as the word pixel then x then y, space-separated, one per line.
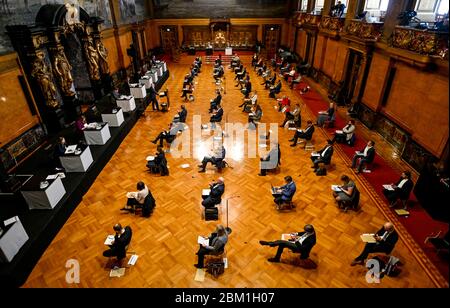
pixel 92 61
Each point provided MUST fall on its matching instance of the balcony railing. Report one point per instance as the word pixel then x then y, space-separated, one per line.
pixel 424 42
pixel 364 30
pixel 331 25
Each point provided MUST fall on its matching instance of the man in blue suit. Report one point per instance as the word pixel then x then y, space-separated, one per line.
pixel 286 192
pixel 215 195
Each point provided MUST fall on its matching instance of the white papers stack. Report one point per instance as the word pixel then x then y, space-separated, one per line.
pixel 203 241
pixel 368 238
pixel 149 158
pixel 336 188
pixel 10 221
pixel 109 240
pixel 388 187
pixel 205 192
pixel 51 177
pixel 71 149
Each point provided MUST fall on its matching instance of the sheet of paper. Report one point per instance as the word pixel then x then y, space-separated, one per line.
pixel 131 194
pixel 10 221
pixel 335 188
pixel 200 275
pixel 117 272
pixel 368 238
pixel 202 241
pixel 71 149
pixel 339 132
pixel 184 166
pixel 61 175
pixel 358 152
pixel 286 237
pixel 315 154
pixel 388 187
pixel 205 192
pixel 51 177
pixel 109 240
pixel 133 260
pixel 150 158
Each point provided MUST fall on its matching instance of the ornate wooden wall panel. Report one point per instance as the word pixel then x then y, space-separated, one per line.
pixel 196 35
pixel 375 81
pixel 419 101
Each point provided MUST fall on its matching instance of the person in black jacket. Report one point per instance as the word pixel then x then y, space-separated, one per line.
pixel 271 160
pixel 386 238
pixel 215 195
pixel 322 156
pixel 161 161
pixel 152 95
pixel 182 114
pixel 365 156
pixel 401 189
pixel 121 240
pixel 300 242
pixel 217 114
pixel 215 102
pixel 169 135
pixel 303 134
pixel 214 159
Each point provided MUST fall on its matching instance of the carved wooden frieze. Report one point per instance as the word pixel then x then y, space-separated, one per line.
pixel 331 25
pixel 364 30
pixel 420 41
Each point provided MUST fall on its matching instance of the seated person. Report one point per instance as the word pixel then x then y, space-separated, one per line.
pixel 254 59
pixel 325 115
pixel 215 195
pixel 137 198
pixel 213 158
pixel 293 115
pixel 386 238
pixel 347 133
pixel 80 124
pixel 270 81
pixel 187 90
pixel 216 101
pixel 289 74
pixel 284 193
pixel 255 115
pixel 346 192
pixel 322 156
pixel 217 114
pixel 284 68
pixel 247 88
pixel 218 73
pixel 250 101
pixel 121 240
pixel 365 156
pixel 271 160
pixel 401 189
pixel 260 63
pixel 265 73
pixel 182 114
pixel 295 80
pixel 300 242
pixel 160 162
pixel 238 69
pixel 303 134
pixel 217 242
pixel 169 135
pixel 241 74
pixel 275 89
pixel 115 93
pixel 218 61
pixel 283 102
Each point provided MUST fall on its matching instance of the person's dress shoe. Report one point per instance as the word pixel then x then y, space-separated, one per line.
pixel 264 243
pixel 356 262
pixel 198 266
pixel 124 209
pixel 153 141
pixel 273 260
pixel 260 174
pixel 293 145
pixel 291 139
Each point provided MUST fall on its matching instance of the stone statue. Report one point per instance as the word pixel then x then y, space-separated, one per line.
pixel 61 69
pixel 42 73
pixel 103 53
pixel 92 58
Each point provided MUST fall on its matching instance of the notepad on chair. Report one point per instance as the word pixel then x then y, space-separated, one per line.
pixel 368 238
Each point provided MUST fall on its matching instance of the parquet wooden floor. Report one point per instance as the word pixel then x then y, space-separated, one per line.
pixel 167 241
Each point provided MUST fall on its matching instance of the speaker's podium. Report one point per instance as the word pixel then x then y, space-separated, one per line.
pixel 191 51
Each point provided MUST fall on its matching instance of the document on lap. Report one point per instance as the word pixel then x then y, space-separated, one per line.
pixel 368 238
pixel 71 149
pixel 109 240
pixel 388 187
pixel 339 132
pixel 205 192
pixel 336 188
pixel 358 152
pixel 203 241
pixel 131 195
pixel 287 237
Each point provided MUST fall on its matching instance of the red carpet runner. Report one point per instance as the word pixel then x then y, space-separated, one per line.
pixel 419 224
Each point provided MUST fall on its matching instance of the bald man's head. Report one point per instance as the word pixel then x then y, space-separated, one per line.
pixel 388 226
pixel 221 180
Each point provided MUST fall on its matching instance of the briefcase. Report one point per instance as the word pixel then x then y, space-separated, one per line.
pixel 211 213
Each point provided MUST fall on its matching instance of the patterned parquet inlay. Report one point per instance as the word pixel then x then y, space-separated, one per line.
pixel 167 241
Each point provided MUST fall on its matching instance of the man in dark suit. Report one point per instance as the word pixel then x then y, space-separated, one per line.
pixel 169 135
pixel 365 156
pixel 215 195
pixel 182 114
pixel 286 192
pixel 213 159
pixel 322 156
pixel 121 240
pixel 385 238
pixel 215 102
pixel 401 189
pixel 303 134
pixel 300 242
pixel 217 115
pixel 152 95
pixel 271 160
